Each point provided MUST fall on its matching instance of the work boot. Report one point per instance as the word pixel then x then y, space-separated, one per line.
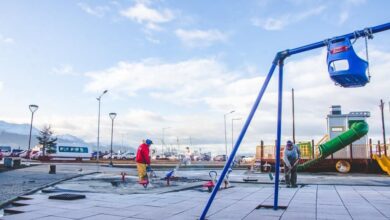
pixel 294 186
pixel 288 186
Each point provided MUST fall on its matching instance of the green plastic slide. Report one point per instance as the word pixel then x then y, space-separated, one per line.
pixel 357 131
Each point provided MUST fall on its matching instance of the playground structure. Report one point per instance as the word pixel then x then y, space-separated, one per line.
pixel 356 156
pixel 354 75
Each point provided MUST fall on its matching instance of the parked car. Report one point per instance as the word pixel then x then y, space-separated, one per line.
pixel 1 155
pixel 25 153
pixel 127 156
pixel 205 157
pixel 16 152
pixel 247 159
pixel 108 156
pixel 37 155
pixel 220 158
pixel 5 150
pixel 94 155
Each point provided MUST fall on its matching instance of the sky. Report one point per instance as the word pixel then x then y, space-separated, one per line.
pixel 182 65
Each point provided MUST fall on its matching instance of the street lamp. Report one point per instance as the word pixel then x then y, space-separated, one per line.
pixel 162 140
pixel 234 119
pixel 224 117
pixel 33 108
pixel 112 116
pixel 98 136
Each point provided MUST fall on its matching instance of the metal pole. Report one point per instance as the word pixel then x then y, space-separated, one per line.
pixel 112 133
pixel 278 134
pixel 29 140
pixel 98 137
pixel 383 127
pixel 293 113
pixel 241 136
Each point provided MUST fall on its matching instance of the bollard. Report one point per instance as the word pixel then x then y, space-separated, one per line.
pixel 52 169
pixel 123 174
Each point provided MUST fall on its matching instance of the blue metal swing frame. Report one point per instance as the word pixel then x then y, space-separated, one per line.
pixel 279 60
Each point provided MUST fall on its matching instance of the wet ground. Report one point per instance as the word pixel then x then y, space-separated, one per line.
pixel 320 196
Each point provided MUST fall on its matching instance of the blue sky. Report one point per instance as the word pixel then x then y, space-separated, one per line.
pixel 178 64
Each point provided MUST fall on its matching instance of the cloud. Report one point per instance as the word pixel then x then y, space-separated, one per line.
pixel 273 24
pixel 6 40
pixel 217 89
pixel 150 17
pixel 344 15
pixel 182 82
pixel 64 69
pixel 98 11
pixel 1 86
pixel 200 38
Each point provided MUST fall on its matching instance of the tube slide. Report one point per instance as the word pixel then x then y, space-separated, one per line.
pixel 384 162
pixel 357 131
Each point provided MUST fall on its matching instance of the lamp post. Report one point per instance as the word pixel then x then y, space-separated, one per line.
pixel 112 116
pixel 162 140
pixel 33 108
pixel 224 118
pixel 98 136
pixel 233 119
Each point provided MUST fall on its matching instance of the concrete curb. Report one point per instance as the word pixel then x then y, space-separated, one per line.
pixel 9 201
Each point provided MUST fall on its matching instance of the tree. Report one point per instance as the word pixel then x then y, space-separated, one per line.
pixel 46 140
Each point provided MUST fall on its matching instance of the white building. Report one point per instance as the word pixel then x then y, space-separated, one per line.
pixel 339 123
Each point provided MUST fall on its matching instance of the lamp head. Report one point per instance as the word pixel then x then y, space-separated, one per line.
pixel 112 115
pixel 33 108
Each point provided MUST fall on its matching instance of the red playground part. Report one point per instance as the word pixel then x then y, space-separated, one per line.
pixel 209 184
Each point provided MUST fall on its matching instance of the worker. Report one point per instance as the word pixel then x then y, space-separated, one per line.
pixel 291 158
pixel 143 160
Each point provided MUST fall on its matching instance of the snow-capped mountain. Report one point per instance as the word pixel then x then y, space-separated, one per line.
pixel 21 129
pixel 17 135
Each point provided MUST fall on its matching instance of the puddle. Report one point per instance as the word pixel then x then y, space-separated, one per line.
pixel 112 183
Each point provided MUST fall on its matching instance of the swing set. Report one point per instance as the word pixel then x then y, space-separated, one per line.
pixel 345 68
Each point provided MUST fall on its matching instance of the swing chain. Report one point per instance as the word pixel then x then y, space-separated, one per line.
pixel 368 35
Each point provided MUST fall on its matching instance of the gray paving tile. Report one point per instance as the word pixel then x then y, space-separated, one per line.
pixel 103 217
pixel 53 218
pixel 24 216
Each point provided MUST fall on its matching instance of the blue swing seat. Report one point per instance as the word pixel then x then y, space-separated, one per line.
pixel 355 73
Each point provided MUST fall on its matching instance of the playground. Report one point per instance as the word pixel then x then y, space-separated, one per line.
pixel 115 192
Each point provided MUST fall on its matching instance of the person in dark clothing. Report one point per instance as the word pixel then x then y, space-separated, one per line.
pixel 291 158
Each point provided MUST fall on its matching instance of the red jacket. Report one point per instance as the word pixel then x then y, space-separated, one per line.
pixel 143 154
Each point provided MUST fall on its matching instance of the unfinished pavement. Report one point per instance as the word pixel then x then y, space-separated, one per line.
pixel 240 202
pixel 321 200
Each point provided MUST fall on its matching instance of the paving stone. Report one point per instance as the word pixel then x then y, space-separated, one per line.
pixel 103 217
pixel 24 216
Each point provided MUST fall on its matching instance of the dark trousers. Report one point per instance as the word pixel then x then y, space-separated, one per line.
pixel 291 176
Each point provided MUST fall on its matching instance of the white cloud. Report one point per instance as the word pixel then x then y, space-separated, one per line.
pixel 143 14
pixel 98 11
pixel 194 38
pixel 210 84
pixel 183 82
pixel 64 69
pixel 273 24
pixel 344 15
pixel 6 40
pixel 1 86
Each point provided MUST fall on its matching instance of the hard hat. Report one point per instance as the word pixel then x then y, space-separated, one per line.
pixel 289 143
pixel 148 142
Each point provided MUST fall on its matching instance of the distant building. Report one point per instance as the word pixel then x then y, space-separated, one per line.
pixel 339 123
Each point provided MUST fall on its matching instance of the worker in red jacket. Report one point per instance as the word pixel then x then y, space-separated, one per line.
pixel 143 160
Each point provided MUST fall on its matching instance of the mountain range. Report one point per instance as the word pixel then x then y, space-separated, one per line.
pixel 17 135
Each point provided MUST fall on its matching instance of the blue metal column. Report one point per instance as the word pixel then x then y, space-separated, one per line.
pixel 241 136
pixel 278 133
